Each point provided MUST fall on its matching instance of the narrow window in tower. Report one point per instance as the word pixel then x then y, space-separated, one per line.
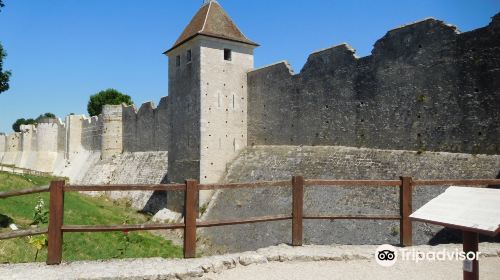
pixel 228 54
pixel 218 99
pixel 188 56
pixel 234 144
pixel 178 61
pixel 233 101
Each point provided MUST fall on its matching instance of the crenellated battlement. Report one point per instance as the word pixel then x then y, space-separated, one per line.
pixel 425 80
pixel 426 86
pixel 146 129
pixel 118 129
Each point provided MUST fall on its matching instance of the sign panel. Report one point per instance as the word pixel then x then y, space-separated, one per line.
pixel 471 209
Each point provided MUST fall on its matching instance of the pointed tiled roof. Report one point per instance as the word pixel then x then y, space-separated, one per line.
pixel 211 20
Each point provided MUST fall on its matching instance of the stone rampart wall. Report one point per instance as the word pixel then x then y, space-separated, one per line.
pixel 425 87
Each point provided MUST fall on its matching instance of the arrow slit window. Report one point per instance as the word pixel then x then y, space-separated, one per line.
pixel 228 54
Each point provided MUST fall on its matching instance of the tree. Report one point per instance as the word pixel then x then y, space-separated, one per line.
pixel 106 97
pixel 17 125
pixel 45 116
pixel 4 75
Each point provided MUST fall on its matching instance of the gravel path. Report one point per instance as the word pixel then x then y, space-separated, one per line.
pixel 277 262
pixel 356 269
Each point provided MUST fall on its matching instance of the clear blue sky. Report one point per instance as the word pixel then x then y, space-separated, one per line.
pixel 62 51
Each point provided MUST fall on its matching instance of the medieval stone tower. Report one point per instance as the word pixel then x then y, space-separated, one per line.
pixel 208 68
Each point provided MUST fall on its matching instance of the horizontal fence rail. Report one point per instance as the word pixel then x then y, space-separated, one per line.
pixel 371 183
pixel 101 188
pixel 244 221
pixel 351 217
pixel 107 228
pixel 263 184
pixel 23 171
pixel 467 182
pixel 23 233
pixel 191 190
pixel 24 192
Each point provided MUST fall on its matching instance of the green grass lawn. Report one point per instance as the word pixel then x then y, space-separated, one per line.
pixel 78 210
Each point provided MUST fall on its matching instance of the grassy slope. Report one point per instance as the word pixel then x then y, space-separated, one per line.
pixel 79 210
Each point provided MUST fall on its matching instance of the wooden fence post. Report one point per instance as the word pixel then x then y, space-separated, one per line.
pixel 405 207
pixel 297 209
pixel 56 214
pixel 190 215
pixel 471 244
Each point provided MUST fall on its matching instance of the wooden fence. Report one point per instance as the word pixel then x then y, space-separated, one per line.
pixel 191 188
pixel 19 170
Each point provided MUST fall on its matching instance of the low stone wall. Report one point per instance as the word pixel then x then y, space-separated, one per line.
pixel 263 163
